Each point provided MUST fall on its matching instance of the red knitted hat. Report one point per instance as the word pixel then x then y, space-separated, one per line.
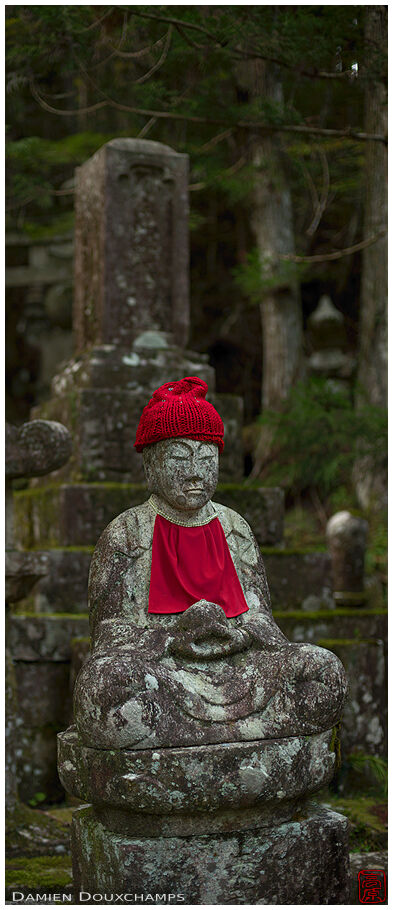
pixel 180 409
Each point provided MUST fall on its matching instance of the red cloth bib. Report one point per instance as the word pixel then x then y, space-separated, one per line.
pixel 191 564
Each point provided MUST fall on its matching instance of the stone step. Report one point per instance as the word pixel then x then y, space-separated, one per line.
pixel 353 624
pixel 64 515
pixel 358 637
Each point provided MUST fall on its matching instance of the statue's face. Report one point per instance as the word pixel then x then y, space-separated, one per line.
pixel 182 471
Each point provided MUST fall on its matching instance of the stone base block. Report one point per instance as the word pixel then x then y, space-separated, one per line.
pixel 299 862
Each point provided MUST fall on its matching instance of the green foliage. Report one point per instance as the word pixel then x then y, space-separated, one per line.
pixel 319 435
pixel 37 799
pixel 259 276
pixel 374 766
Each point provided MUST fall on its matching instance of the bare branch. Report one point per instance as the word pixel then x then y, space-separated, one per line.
pixel 116 50
pixel 311 186
pixel 180 22
pixel 267 128
pixel 216 139
pixel 236 167
pixel 160 61
pixel 188 40
pixel 97 21
pixel 135 54
pixel 339 254
pixel 322 202
pixel 147 127
pixel 54 110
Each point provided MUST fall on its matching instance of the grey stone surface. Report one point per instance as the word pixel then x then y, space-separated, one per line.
pixel 50 681
pixel 10 738
pixel 100 396
pixel 36 764
pixel 80 651
pixel 131 244
pixel 357 637
pixel 35 448
pixel 197 677
pixel 346 537
pixel 299 862
pixel 22 571
pixel 34 638
pixel 64 588
pixel 364 723
pixel 293 576
pixel 205 782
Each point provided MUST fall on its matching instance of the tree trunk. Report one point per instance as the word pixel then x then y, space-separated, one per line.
pixel 372 370
pixel 272 223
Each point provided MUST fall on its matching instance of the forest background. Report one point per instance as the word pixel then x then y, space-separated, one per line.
pixel 283 112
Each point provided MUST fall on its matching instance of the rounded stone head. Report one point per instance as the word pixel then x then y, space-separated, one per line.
pixel 182 471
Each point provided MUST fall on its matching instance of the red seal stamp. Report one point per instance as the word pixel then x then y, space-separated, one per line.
pixel 372 886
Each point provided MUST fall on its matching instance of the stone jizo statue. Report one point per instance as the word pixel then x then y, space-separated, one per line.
pixel 185 650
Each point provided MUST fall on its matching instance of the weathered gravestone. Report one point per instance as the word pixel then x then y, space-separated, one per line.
pixel 200 730
pixel 347 539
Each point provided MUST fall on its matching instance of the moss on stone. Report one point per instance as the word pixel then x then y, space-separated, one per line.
pixel 292 551
pixel 342 642
pixel 335 745
pixel 54 615
pixel 306 615
pixel 37 492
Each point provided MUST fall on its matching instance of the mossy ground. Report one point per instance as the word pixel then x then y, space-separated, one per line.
pixel 50 874
pixel 367 817
pixel 31 832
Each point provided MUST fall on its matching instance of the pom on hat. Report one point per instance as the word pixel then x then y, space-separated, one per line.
pixel 180 409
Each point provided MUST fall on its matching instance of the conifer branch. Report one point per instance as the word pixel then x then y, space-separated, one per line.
pixel 339 254
pixel 348 133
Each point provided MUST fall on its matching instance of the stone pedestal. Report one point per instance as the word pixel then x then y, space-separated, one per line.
pixel 298 862
pixel 223 824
